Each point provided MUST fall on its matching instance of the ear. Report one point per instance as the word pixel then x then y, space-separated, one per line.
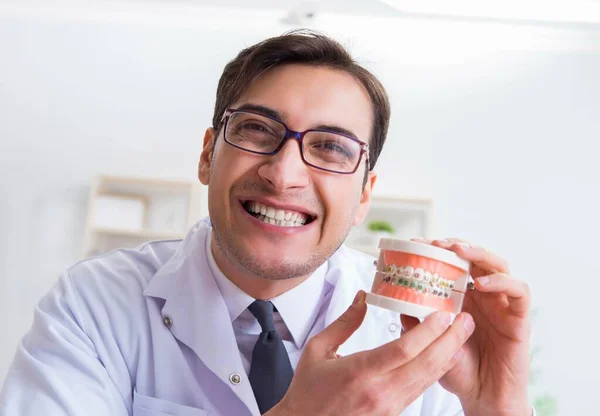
pixel 206 156
pixel 365 199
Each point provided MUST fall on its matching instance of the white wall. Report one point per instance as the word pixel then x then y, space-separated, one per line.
pixel 498 123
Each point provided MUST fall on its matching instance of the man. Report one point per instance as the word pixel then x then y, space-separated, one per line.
pixel 252 312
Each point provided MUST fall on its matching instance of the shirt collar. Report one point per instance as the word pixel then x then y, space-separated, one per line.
pixel 298 307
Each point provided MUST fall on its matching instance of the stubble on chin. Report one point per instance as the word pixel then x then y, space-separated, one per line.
pixel 280 268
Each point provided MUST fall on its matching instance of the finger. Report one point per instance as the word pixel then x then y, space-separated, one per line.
pixel 482 258
pixel 448 242
pixel 326 343
pixel 517 291
pixel 435 360
pixel 398 352
pixel 408 322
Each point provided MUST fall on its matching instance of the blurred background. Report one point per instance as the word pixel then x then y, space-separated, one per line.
pixel 493 138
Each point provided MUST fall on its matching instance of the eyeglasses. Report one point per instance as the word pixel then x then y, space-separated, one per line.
pixel 321 149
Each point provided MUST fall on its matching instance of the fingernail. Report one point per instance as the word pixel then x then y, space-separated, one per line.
pixel 358 298
pixel 466 245
pixel 483 280
pixel 469 324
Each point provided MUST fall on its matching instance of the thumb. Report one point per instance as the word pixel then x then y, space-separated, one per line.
pixel 327 341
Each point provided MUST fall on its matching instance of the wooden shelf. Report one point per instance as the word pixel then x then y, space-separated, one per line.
pixel 166 210
pixel 410 217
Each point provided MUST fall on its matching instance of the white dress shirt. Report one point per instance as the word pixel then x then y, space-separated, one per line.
pixel 300 311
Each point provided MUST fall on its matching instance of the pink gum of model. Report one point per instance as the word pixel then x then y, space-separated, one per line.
pixel 411 295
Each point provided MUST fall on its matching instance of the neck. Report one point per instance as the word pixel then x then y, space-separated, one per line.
pixel 253 285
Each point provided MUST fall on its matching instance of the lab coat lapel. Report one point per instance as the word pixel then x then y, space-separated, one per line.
pixel 199 314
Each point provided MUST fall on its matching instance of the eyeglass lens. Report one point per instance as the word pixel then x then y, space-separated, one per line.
pixel 263 135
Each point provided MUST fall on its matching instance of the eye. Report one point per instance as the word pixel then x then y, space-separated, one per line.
pixel 332 146
pixel 254 126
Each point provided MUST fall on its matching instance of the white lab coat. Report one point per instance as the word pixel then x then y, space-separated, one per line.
pixel 146 332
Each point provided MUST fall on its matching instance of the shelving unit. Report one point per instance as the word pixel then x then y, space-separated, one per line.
pixel 411 217
pixel 127 211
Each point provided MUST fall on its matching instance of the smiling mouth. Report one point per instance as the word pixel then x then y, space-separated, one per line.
pixel 275 216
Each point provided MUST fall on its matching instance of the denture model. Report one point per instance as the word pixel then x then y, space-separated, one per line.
pixel 417 279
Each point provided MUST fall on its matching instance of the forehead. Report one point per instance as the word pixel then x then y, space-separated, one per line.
pixel 307 96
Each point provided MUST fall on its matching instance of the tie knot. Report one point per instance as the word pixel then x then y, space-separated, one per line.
pixel 263 312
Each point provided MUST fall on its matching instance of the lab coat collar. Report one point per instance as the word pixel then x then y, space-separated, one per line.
pixel 198 313
pixel 197 309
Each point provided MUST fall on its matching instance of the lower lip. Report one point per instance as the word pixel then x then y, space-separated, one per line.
pixel 274 228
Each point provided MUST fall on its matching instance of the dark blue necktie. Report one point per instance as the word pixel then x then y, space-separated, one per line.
pixel 270 372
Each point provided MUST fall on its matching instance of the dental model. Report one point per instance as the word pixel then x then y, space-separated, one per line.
pixel 416 279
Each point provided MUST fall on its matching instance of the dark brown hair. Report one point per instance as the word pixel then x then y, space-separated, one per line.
pixel 306 47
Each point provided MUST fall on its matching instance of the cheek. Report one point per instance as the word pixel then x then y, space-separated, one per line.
pixel 342 201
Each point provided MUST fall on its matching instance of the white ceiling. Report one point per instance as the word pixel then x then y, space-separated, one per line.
pixel 353 7
pixel 583 11
pixel 528 11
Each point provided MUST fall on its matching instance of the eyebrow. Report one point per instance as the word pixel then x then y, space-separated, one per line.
pixel 261 109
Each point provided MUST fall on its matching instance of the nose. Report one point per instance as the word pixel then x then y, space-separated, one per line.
pixel 285 170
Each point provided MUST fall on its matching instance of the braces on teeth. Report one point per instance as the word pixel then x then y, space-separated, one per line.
pixel 419 280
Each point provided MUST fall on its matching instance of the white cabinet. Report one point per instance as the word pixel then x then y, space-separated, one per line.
pixel 125 212
pixel 410 217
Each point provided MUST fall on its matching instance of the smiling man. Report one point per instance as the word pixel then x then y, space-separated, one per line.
pixel 260 309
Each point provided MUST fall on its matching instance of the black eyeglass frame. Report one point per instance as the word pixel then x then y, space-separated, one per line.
pixel 297 135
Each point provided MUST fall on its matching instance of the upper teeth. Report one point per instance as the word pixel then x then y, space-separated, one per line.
pixel 278 216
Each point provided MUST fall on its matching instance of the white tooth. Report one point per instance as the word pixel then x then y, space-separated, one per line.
pixel 263 209
pixel 419 273
pixel 270 212
pixel 289 224
pixel 302 219
pixel 294 217
pixel 253 207
pixel 271 220
pixel 408 271
pixel 279 214
pixel 288 215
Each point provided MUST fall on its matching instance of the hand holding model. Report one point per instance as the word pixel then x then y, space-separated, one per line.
pixel 492 377
pixel 381 381
pixel 483 357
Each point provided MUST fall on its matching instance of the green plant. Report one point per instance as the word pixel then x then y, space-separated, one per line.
pixel 385 226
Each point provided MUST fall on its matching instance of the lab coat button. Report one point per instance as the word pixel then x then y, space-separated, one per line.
pixel 235 378
pixel 393 327
pixel 167 321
